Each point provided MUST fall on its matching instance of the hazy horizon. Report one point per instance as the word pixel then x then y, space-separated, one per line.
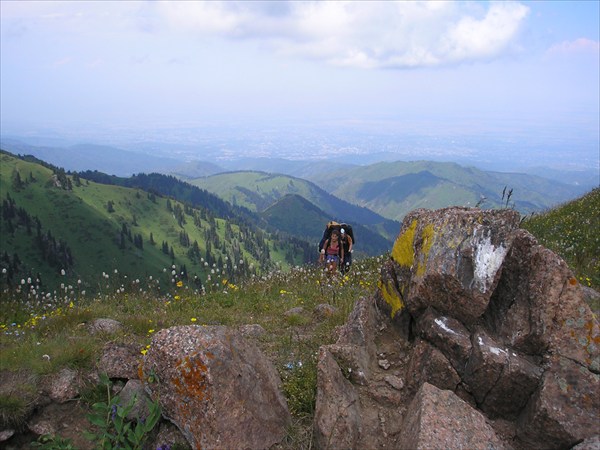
pixel 512 83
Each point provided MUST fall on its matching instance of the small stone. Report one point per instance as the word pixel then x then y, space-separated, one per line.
pixel 6 435
pixel 395 382
pixel 384 364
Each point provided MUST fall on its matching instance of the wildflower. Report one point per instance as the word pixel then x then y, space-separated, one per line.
pixel 194 319
pixel 113 414
pixel 179 283
pixel 151 330
pixel 71 305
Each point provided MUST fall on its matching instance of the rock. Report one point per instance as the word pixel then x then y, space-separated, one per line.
pixel 592 443
pixel 337 411
pixel 323 311
pixel 120 361
pixel 564 410
pixel 500 380
pixel 538 307
pixel 394 381
pixel 168 437
pixel 64 386
pixel 252 331
pixel 5 435
pixel 439 419
pixel 135 389
pixel 450 259
pixel 352 360
pixel 218 388
pixel 297 311
pixel 41 427
pixel 108 326
pixel 448 335
pixel 429 365
pixel 384 364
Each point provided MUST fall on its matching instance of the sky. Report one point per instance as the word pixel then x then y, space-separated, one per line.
pixel 512 68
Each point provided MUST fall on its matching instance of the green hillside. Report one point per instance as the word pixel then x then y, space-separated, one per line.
pixel 104 236
pixel 392 189
pixel 258 191
pixel 299 217
pixel 571 230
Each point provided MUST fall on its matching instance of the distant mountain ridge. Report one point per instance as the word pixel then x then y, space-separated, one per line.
pixel 258 191
pixel 393 189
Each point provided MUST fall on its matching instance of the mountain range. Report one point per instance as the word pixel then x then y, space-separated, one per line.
pixel 220 211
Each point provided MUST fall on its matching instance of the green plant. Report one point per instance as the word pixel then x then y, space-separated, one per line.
pixel 52 442
pixel 13 409
pixel 114 429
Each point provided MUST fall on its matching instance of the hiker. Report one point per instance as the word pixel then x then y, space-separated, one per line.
pixel 347 247
pixel 332 252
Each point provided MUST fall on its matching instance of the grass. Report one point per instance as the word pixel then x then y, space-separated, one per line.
pixel 42 335
pixel 571 231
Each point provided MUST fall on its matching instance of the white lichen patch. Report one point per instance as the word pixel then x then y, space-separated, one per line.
pixel 488 260
pixel 440 323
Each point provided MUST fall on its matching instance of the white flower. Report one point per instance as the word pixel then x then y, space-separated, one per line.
pixel 62 272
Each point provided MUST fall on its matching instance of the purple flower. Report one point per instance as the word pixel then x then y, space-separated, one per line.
pixel 114 412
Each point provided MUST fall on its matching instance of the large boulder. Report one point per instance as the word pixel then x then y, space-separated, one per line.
pixel 450 259
pixel 337 415
pixel 539 308
pixel 439 419
pixel 219 389
pixel 499 320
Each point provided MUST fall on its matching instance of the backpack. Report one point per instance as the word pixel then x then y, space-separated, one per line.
pixel 348 230
pixel 336 226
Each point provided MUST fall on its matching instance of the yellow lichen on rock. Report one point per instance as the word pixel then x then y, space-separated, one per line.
pixel 428 237
pixel 403 252
pixel 391 297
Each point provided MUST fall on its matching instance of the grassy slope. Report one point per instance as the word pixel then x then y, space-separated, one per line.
pixel 80 218
pixel 571 230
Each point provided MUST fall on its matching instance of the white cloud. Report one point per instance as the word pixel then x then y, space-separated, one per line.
pixel 581 45
pixel 360 34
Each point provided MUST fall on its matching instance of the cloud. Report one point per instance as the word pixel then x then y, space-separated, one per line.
pixel 581 45
pixel 62 62
pixel 402 34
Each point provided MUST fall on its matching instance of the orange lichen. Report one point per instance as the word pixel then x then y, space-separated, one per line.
pixel 192 379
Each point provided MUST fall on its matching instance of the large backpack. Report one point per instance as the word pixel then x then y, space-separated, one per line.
pixel 348 230
pixel 332 225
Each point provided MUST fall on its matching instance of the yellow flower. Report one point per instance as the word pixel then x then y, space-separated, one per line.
pixel 151 331
pixel 144 351
pixel 177 297
pixel 71 305
pixel 179 283
pixel 224 282
pixel 193 319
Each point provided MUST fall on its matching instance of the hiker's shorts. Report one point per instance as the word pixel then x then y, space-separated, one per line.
pixel 333 258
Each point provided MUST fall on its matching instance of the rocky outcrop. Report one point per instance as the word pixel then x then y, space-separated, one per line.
pixel 501 349
pixel 218 388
